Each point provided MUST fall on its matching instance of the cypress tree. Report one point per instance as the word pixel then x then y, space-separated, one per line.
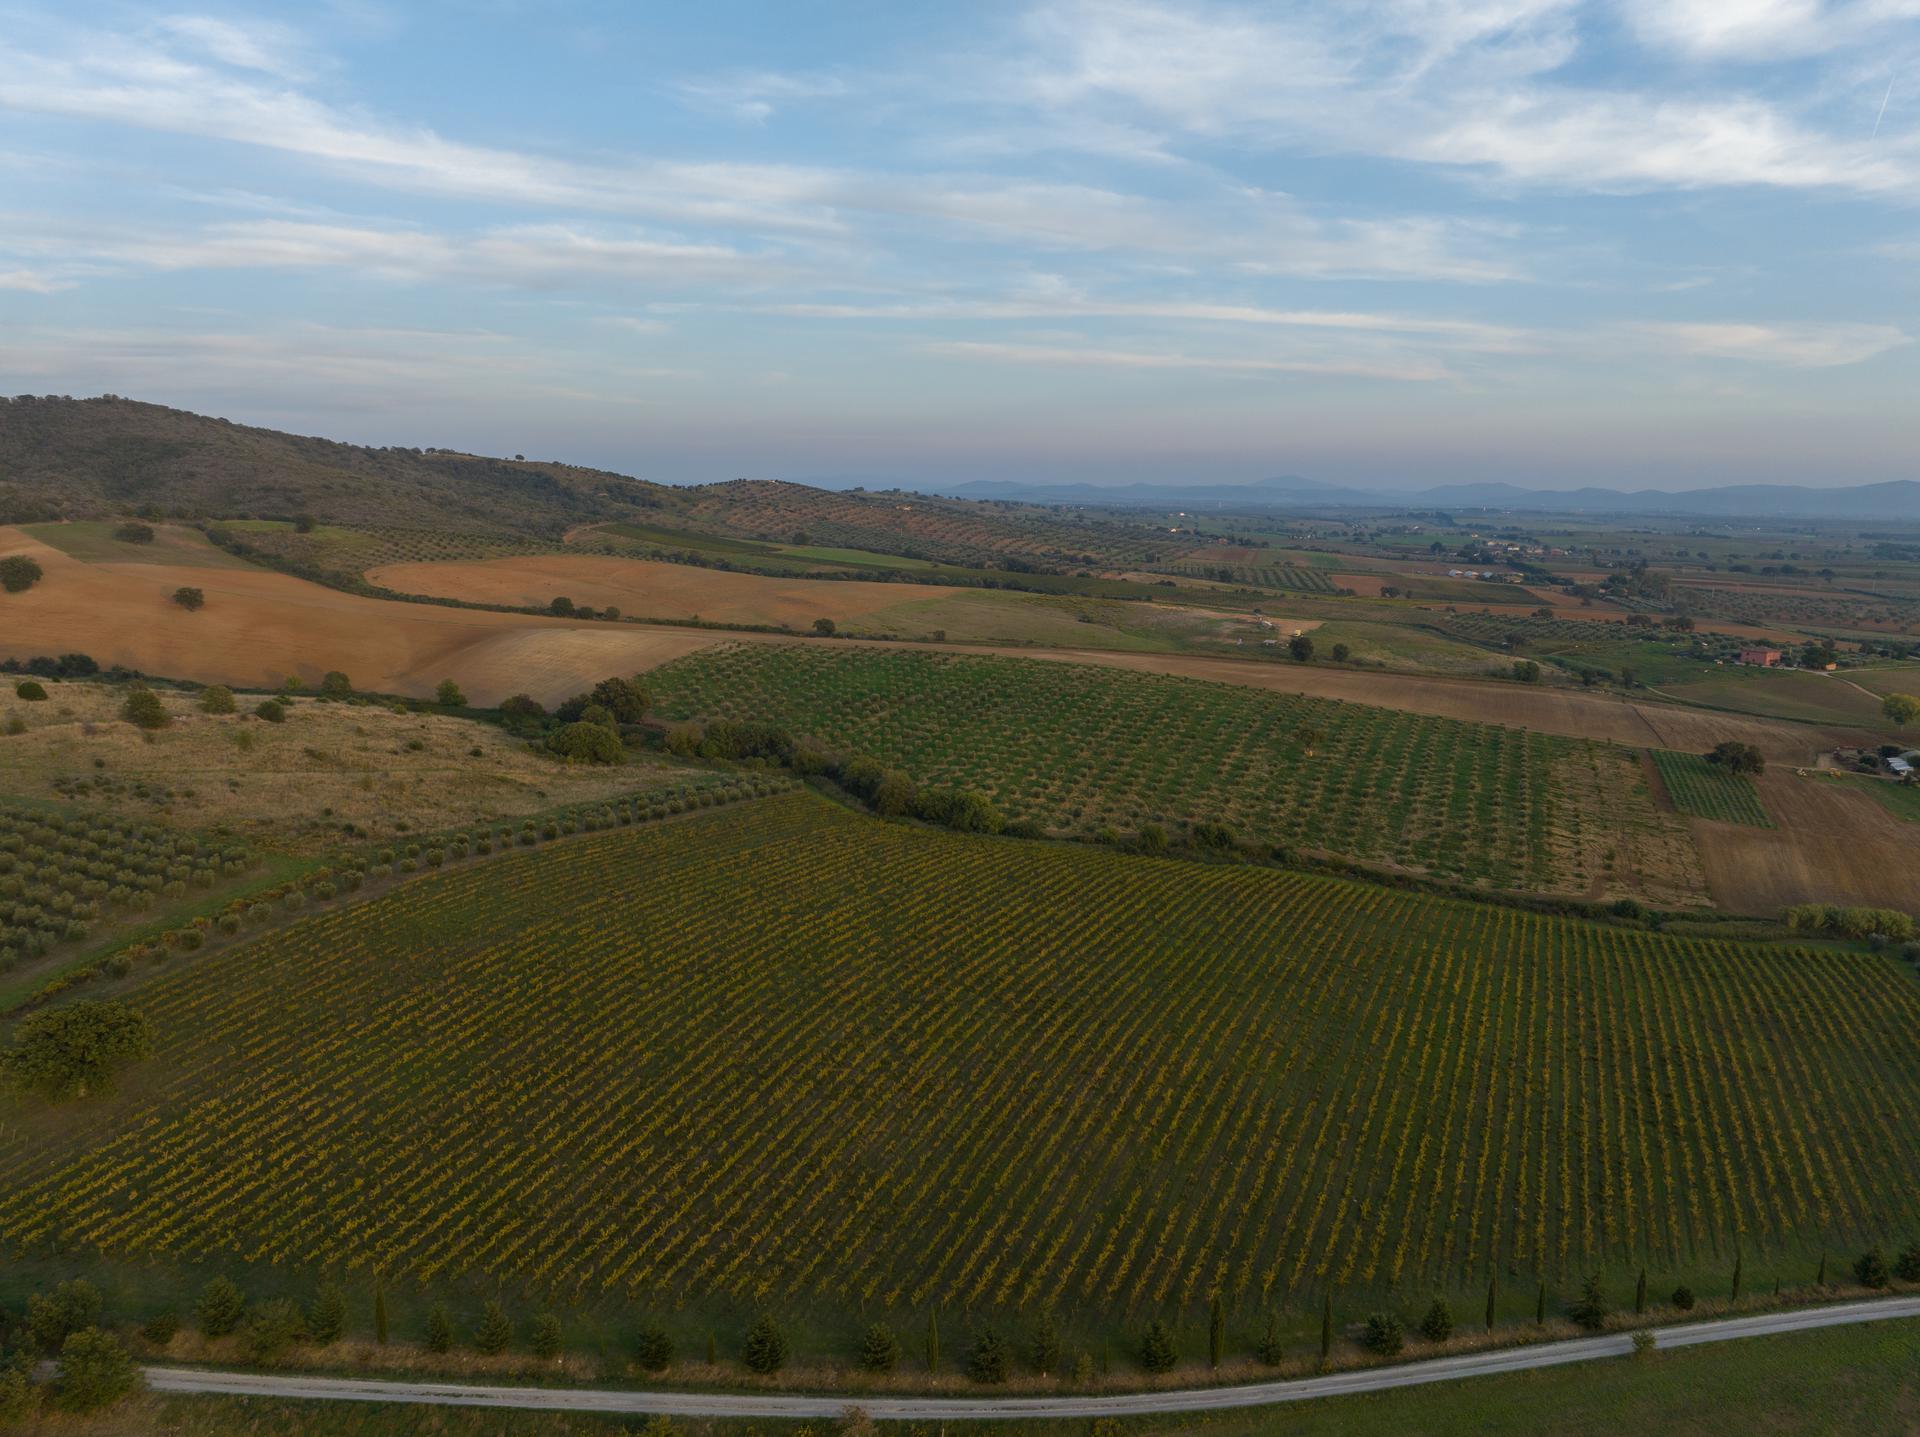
pixel 933 1342
pixel 1821 1280
pixel 1216 1332
pixel 1045 1350
pixel 379 1311
pixel 1540 1306
pixel 713 1349
pixel 1326 1328
pixel 1492 1289
pixel 439 1328
pixel 1640 1294
pixel 1737 1260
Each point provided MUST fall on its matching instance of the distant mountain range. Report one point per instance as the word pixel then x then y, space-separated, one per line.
pixel 1896 499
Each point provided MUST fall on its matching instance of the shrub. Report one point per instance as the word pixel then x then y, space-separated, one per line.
pixel 335 685
pixel 544 1337
pixel 1906 1267
pixel 766 1347
pixel 18 573
pixel 132 533
pixel 1683 1298
pixel 68 1051
pixel 94 1372
pixel 272 710
pixel 584 742
pixel 493 1334
pixel 1383 1335
pixel 439 1328
pixel 1157 1352
pixel 1870 1269
pixel 143 709
pixel 987 1359
pixel 216 699
pixel 220 1308
pixel 1644 1343
pixel 53 1318
pixel 190 598
pixel 274 1326
pixel 653 1349
pixel 160 1328
pixel 879 1348
pixel 1437 1325
pixel 29 691
pixel 448 695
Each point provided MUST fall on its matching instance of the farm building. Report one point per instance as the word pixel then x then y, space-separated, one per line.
pixel 1761 658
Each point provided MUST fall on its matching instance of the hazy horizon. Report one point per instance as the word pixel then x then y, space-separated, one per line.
pixel 1654 244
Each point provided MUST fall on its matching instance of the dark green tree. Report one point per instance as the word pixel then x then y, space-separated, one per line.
pixel 94 1371
pixel 826 628
pixel 54 1317
pixel 1301 647
pixel 143 709
pixel 543 1339
pixel 766 1347
pixel 653 1348
pixel 1326 1328
pixel 18 573
pixel 1216 1331
pixel 1591 1309
pixel 1739 1262
pixel 272 1327
pixel 216 699
pixel 1043 1350
pixel 1157 1352
pixel 1640 1294
pixel 1270 1350
pixel 379 1311
pixel 879 1349
pixel 335 685
pixel 1437 1325
pixel 220 1308
pixel 271 710
pixel 933 1342
pixel 133 533
pixel 449 696
pixel 1492 1294
pixel 327 1320
pixel 584 742
pixel 987 1358
pixel 1870 1269
pixel 1820 1278
pixel 190 598
pixel 1906 1267
pixel 1683 1298
pixel 493 1334
pixel 1383 1335
pixel 439 1328
pixel 1540 1307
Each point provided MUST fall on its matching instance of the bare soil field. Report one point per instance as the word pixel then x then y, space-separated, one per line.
pixel 1829 844
pixel 645 589
pixel 296 784
pixel 259 627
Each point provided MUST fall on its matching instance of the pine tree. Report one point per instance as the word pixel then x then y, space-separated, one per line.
pixel 544 1339
pixel 1045 1349
pixel 1492 1290
pixel 329 1316
pixel 221 1307
pixel 879 1351
pixel 766 1349
pixel 1326 1328
pixel 439 1328
pixel 653 1348
pixel 1216 1332
pixel 1738 1260
pixel 1269 1351
pixel 1591 1310
pixel 1156 1348
pixel 1437 1325
pixel 987 1362
pixel 379 1311
pixel 493 1334
pixel 1640 1294
pixel 933 1342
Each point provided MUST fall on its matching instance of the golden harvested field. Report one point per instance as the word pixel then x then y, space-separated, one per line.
pixel 293 784
pixel 258 627
pixel 645 589
pixel 1830 843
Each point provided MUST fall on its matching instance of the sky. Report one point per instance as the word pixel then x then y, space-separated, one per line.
pixel 1550 242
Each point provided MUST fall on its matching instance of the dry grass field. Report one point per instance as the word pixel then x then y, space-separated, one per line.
pixel 1830 843
pixel 293 784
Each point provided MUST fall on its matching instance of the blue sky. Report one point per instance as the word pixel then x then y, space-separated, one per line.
pixel 1657 242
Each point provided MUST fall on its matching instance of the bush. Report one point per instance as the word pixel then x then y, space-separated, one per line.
pixel 766 1347
pixel 879 1348
pixel 273 1328
pixel 449 696
pixel 1157 1352
pixel 18 573
pixel 189 598
pixel 544 1338
pixel 1644 1343
pixel 439 1328
pixel 1383 1335
pixel 216 699
pixel 69 1308
pixel 132 533
pixel 1683 1298
pixel 1906 1267
pixel 653 1349
pixel 583 742
pixel 1870 1269
pixel 493 1334
pixel 1437 1325
pixel 160 1328
pixel 30 691
pixel 94 1372
pixel 143 709
pixel 220 1308
pixel 272 710
pixel 69 1051
pixel 987 1358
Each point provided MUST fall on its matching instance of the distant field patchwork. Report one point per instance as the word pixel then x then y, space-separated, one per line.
pixel 786 1052
pixel 1078 748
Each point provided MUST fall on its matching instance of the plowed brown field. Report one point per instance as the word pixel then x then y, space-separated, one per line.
pixel 1829 844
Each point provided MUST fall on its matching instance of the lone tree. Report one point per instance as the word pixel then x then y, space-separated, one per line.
pixel 1437 1325
pixel 653 1348
pixel 143 709
pixel 189 598
pixel 1301 647
pixel 1900 709
pixel 826 628
pixel 1157 1352
pixel 987 1361
pixel 448 695
pixel 18 573
pixel 879 1349
pixel 766 1347
pixel 134 533
pixel 335 685
pixel 1737 757
pixel 216 699
pixel 70 1051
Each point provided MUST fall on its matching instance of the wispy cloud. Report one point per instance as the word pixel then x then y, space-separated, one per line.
pixel 1797 346
pixel 1089 358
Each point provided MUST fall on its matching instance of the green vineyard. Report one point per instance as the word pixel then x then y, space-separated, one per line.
pixel 1077 748
pixel 1703 790
pixel 1265 576
pixel 786 1052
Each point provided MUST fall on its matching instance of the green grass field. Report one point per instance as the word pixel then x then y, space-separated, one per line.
pixel 788 1055
pixel 1702 790
pixel 1783 693
pixel 1077 749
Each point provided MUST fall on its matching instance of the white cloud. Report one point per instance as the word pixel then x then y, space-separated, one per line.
pixel 1795 346
pixel 1760 30
pixel 753 96
pixel 256 45
pixel 32 281
pixel 1084 358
